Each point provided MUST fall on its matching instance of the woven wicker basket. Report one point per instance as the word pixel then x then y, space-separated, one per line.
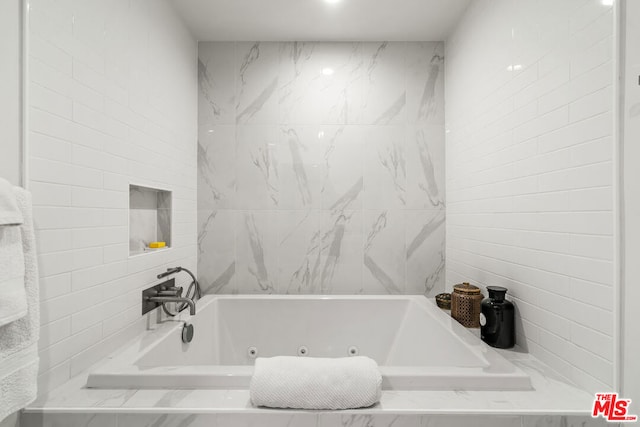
pixel 465 304
pixel 444 300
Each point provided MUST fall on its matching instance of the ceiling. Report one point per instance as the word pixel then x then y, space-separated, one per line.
pixel 318 20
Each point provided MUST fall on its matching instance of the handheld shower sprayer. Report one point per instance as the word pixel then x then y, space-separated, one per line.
pixel 193 292
pixel 169 272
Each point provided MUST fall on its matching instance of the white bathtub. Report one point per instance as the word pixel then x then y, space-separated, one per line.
pixel 417 345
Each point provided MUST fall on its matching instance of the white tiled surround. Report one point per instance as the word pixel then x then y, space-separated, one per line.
pixel 10 107
pixel 113 96
pixel 321 167
pixel 631 202
pixel 529 89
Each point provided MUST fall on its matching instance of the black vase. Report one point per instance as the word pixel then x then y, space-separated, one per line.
pixel 497 319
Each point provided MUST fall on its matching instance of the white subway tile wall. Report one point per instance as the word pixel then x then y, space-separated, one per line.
pixel 529 90
pixel 631 202
pixel 10 107
pixel 112 100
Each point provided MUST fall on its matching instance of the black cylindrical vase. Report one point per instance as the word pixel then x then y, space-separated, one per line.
pixel 497 320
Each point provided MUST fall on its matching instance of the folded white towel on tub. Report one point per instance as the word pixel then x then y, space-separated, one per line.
pixel 315 383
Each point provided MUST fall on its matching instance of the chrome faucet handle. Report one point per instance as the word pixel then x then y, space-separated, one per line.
pixel 165 292
pixel 198 291
pixel 182 300
pixel 169 292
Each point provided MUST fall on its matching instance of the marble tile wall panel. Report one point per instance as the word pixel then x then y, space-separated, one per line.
pixel 257 83
pixel 217 251
pixel 320 83
pixel 321 167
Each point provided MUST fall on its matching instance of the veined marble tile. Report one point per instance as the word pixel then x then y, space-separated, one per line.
pixel 256 252
pixel 385 97
pixel 342 252
pixel 263 419
pixel 562 421
pixel 321 252
pixel 157 397
pixel 470 420
pixel 217 167
pixel 84 397
pixel 299 252
pixel 425 251
pixel 167 420
pixel 321 167
pixel 162 399
pixel 320 83
pixel 301 161
pixel 425 87
pixel 368 420
pixel 257 167
pixel 68 420
pixel 384 252
pixel 217 250
pixel 551 394
pixel 257 83
pixel 344 151
pixel 385 169
pixel 216 78
pixel 425 167
pixel 351 130
pixel 302 419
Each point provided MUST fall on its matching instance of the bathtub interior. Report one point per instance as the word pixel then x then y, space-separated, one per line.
pixel 392 332
pixel 417 346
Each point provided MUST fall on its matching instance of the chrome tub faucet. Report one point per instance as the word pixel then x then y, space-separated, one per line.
pixel 166 296
pixel 164 293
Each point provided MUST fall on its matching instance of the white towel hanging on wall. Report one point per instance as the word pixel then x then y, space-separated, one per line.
pixel 19 339
pixel 13 299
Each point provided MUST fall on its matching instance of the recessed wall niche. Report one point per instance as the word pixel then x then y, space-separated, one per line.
pixel 149 218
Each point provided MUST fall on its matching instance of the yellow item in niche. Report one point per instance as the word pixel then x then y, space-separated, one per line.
pixel 155 245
